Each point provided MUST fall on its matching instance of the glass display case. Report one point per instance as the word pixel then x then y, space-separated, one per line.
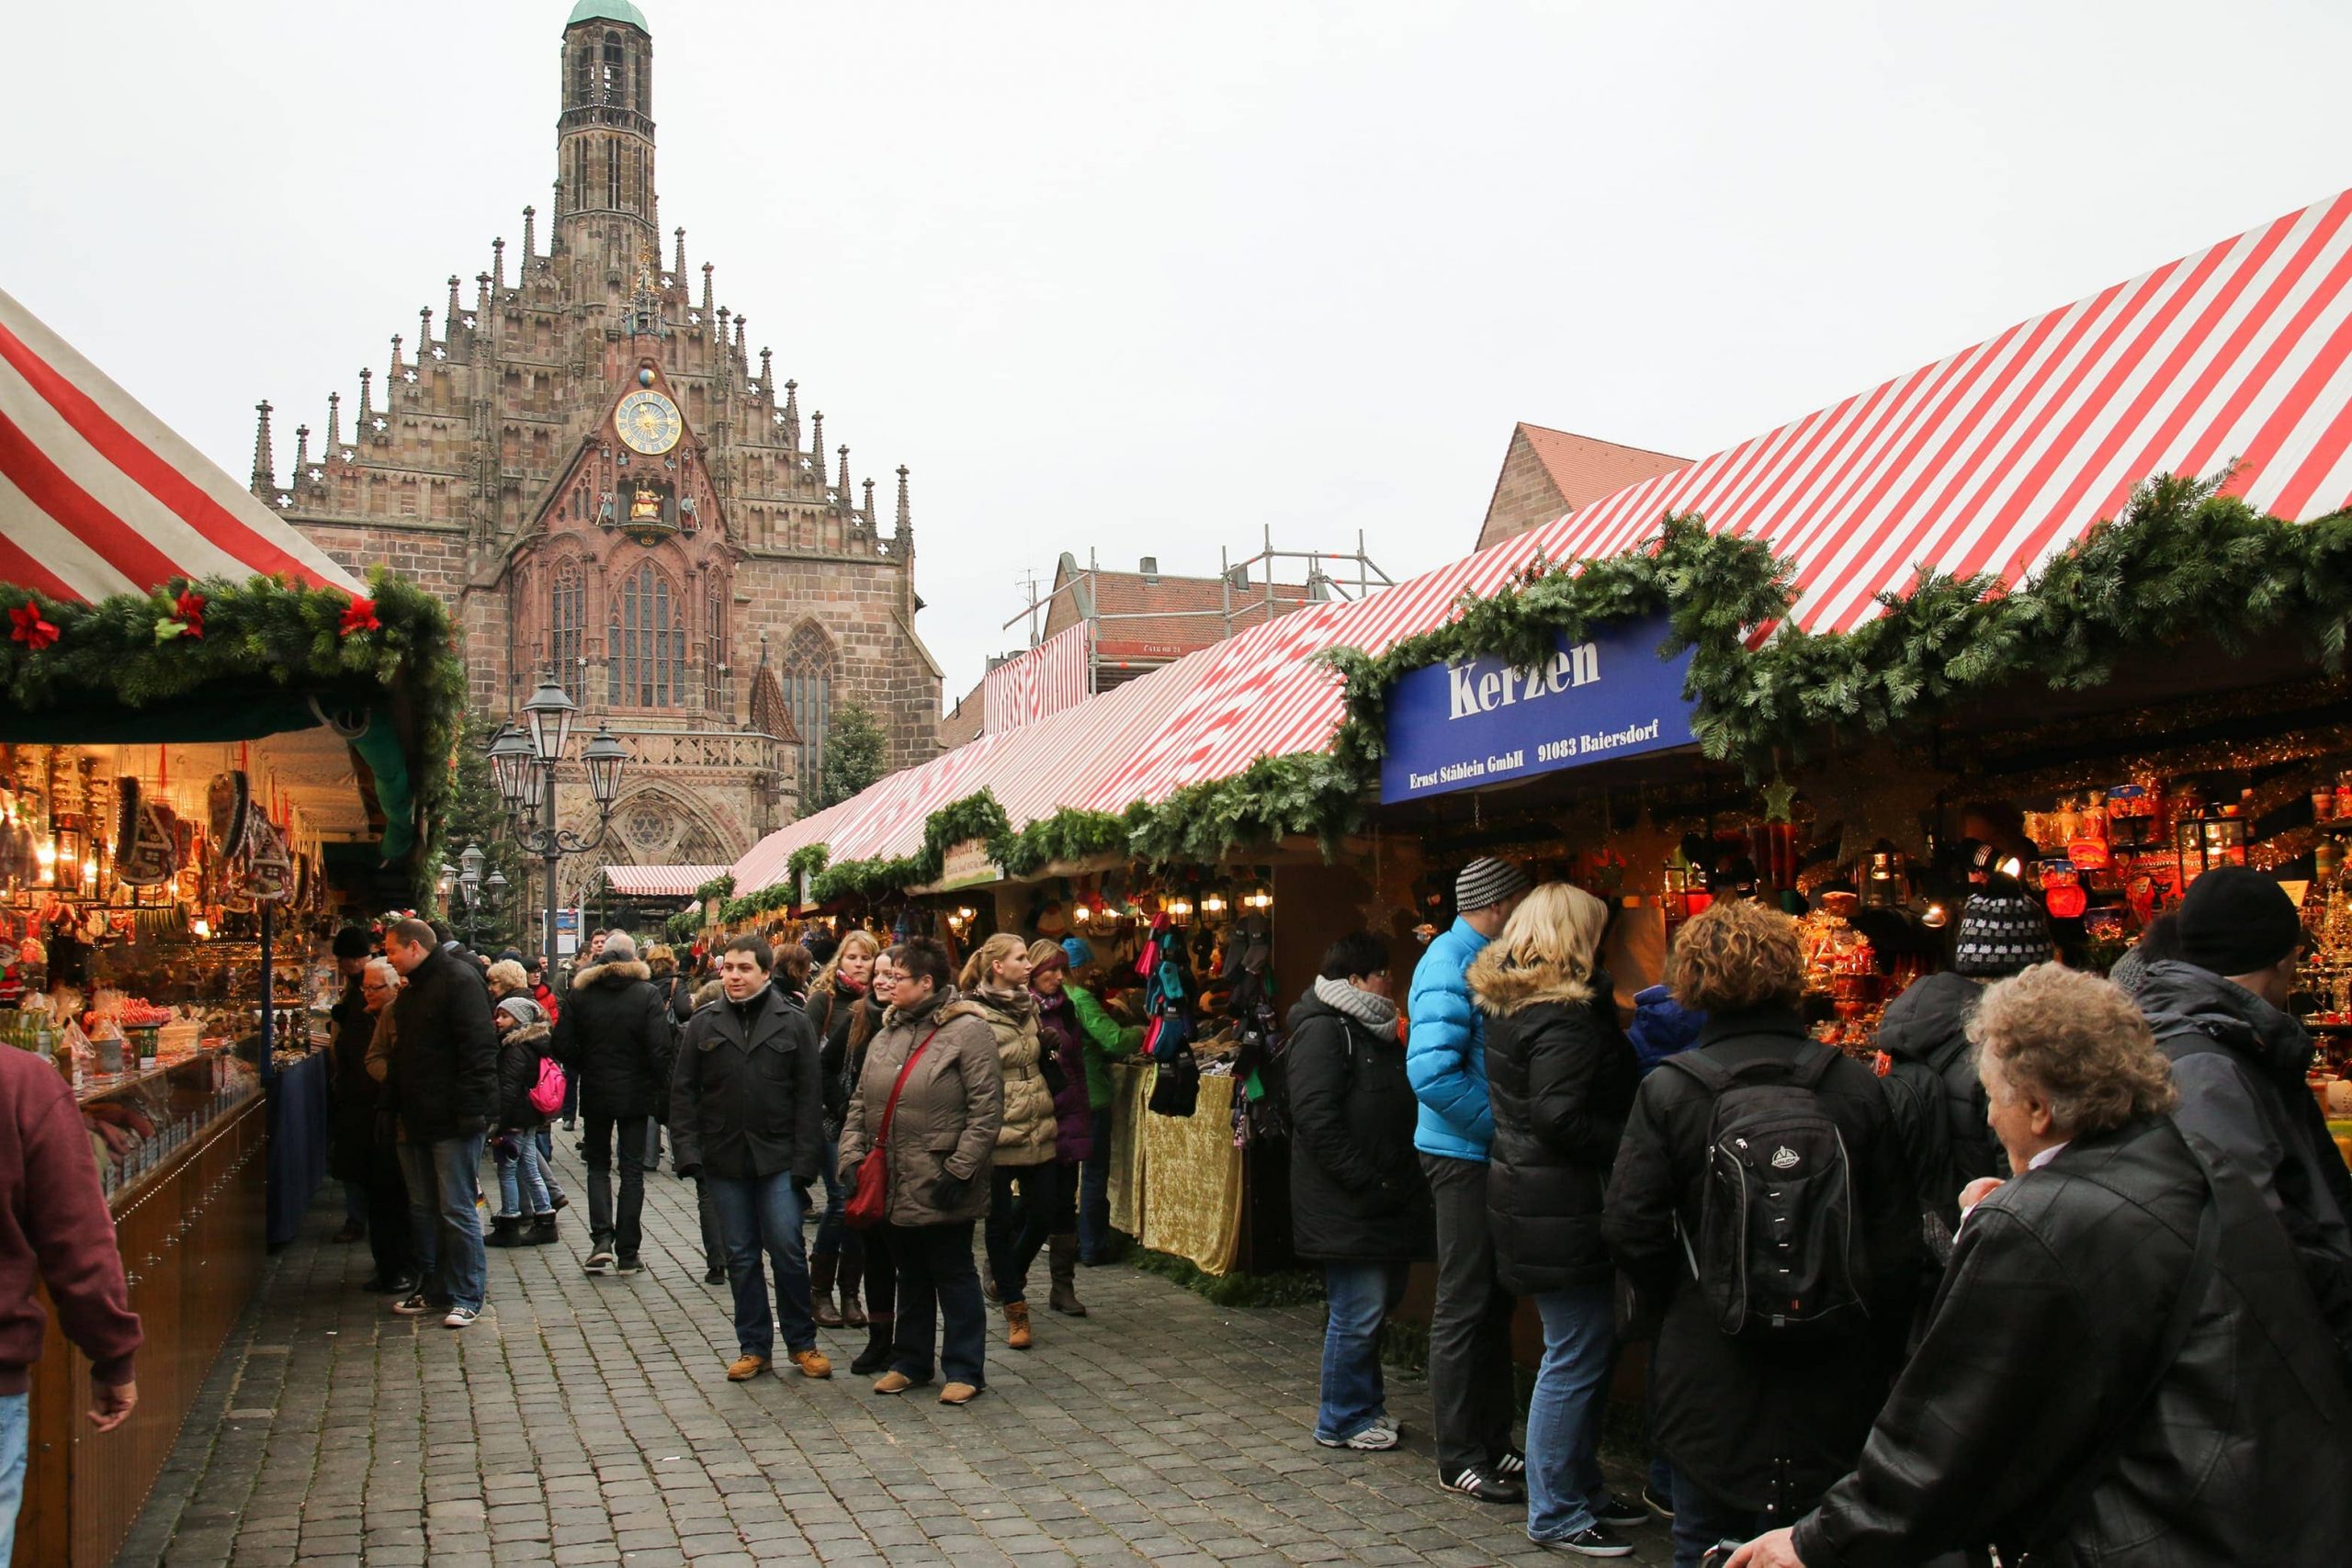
pixel 138 1121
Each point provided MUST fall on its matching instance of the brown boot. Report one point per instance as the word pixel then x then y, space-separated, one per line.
pixel 1016 1325
pixel 852 1273
pixel 821 1291
pixel 1063 1251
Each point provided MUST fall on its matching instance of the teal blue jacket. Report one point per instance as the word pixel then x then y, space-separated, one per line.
pixel 1445 1055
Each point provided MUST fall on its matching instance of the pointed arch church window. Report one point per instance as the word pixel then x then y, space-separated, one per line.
pixel 649 638
pixel 806 677
pixel 567 618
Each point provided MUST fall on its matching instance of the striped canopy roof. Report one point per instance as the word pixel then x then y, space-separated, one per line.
pixel 660 881
pixel 100 497
pixel 1990 460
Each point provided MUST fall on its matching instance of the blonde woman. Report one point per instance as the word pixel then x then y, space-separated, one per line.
pixel 836 996
pixel 996 979
pixel 1561 1077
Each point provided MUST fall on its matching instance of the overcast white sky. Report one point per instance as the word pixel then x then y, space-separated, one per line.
pixel 1153 278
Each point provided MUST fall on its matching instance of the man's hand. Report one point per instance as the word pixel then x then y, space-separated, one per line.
pixel 1976 1191
pixel 1775 1550
pixel 112 1404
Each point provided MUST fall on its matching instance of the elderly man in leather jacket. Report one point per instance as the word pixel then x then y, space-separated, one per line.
pixel 2126 1366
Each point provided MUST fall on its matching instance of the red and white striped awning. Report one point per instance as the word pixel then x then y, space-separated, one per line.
pixel 660 881
pixel 99 497
pixel 1991 461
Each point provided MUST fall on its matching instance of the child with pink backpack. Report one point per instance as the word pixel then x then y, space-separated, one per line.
pixel 530 1089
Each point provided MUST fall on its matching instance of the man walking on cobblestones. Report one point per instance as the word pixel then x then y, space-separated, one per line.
pixel 616 1034
pixel 748 1097
pixel 444 1082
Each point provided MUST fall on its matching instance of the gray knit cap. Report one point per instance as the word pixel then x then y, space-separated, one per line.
pixel 1487 882
pixel 523 1010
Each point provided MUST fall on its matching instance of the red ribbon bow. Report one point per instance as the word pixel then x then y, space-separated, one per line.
pixel 359 615
pixel 30 628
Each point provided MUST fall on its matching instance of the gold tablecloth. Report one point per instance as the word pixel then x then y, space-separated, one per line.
pixel 1176 1181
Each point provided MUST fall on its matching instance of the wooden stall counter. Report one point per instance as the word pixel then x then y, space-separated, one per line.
pixel 182 1161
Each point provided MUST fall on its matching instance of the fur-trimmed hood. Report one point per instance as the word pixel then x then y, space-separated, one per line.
pixel 1499 989
pixel 533 1034
pixel 619 973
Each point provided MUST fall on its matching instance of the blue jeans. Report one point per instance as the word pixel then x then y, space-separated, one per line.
pixel 546 1141
pixel 756 1214
pixel 1564 1417
pixel 939 1289
pixel 15 1425
pixel 1362 1295
pixel 832 1230
pixel 442 1186
pixel 1699 1521
pixel 1095 1192
pixel 525 1176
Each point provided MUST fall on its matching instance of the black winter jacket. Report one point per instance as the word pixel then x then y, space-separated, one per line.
pixel 2045 1340
pixel 443 1078
pixel 1937 1103
pixel 1356 1190
pixel 616 1034
pixel 1761 1425
pixel 2239 1065
pixel 355 1094
pixel 746 1092
pixel 519 1052
pixel 832 1012
pixel 1562 1079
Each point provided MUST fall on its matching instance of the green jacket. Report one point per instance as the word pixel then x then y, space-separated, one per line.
pixel 1105 1038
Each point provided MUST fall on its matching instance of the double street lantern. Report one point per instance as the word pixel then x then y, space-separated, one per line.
pixel 523 758
pixel 477 891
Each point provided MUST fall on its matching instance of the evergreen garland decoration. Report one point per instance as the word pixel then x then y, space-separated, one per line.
pixel 719 886
pixel 264 629
pixel 1069 834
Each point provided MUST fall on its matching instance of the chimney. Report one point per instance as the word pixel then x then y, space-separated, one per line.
pixel 1152 568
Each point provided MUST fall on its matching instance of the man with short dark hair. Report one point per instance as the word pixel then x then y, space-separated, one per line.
pixel 443 1080
pixel 747 1097
pixel 2218 1011
pixel 616 1034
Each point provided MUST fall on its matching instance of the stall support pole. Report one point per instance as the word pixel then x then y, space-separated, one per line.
pixel 268 998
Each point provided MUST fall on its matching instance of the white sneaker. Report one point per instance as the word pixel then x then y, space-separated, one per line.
pixel 459 1317
pixel 1374 1438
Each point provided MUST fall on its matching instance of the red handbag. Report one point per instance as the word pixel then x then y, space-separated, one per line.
pixel 869 1204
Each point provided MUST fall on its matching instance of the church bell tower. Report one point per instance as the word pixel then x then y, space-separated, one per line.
pixel 604 136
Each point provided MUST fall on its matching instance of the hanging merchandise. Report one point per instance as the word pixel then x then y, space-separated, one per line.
pixel 270 868
pixel 229 803
pixel 146 853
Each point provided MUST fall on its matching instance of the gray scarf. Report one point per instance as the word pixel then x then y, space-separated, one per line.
pixel 1376 1013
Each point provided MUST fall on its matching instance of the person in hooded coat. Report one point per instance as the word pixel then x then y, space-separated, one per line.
pixel 1359 1203
pixel 996 981
pixel 616 1034
pixel 1561 1079
pixel 524 1196
pixel 1062 1041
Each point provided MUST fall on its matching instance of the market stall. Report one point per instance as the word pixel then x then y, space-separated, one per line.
pixel 211 738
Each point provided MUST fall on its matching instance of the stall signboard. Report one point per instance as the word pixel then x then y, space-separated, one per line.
pixel 1464 726
pixel 967 866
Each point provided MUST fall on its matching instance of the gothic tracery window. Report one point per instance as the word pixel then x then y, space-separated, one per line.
pixel 567 618
pixel 806 677
pixel 715 698
pixel 647 647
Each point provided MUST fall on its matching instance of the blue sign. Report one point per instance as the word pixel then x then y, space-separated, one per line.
pixel 1465 726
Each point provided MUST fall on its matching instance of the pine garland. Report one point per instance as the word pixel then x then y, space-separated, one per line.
pixel 140 651
pixel 719 886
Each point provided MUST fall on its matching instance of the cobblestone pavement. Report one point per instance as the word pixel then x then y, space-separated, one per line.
pixel 590 1421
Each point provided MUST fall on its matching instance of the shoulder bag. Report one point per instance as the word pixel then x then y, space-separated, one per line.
pixel 869 1205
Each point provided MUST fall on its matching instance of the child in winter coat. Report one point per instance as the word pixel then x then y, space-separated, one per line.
pixel 522 1040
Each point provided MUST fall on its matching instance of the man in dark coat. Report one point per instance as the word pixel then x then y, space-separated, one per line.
pixel 444 1083
pixel 1756 1428
pixel 2239 1061
pixel 2125 1366
pixel 366 1155
pixel 616 1034
pixel 354 1123
pixel 1359 1203
pixel 748 1104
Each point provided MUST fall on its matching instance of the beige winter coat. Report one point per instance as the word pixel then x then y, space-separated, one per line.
pixel 942 1139
pixel 1027 1135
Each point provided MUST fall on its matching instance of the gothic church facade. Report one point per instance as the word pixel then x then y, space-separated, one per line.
pixel 583 461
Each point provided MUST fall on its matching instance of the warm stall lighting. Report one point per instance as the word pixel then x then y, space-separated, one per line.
pixel 1213 904
pixel 1259 898
pixel 202 927
pixel 2012 867
pixel 1081 914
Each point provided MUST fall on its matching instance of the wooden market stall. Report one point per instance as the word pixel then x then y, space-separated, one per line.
pixel 211 738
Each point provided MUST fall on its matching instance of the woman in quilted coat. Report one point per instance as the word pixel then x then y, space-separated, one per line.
pixel 1024 1202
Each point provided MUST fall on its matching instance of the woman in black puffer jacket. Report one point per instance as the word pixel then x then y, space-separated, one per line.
pixel 1562 1077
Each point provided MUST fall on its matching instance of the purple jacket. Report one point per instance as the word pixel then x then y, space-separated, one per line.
pixel 1057 1032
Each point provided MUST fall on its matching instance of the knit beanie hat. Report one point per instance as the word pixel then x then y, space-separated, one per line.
pixel 619 948
pixel 2001 931
pixel 521 1010
pixel 1487 882
pixel 351 942
pixel 1079 951
pixel 2236 920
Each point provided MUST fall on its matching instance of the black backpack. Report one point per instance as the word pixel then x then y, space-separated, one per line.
pixel 1777 1255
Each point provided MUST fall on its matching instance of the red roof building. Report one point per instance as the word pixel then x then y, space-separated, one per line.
pixel 1549 473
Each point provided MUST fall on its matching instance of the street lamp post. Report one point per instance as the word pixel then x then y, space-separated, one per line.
pixel 523 758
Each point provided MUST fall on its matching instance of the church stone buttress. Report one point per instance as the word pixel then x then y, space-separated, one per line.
pixel 581 458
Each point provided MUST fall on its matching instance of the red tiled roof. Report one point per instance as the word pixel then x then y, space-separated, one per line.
pixel 963 722
pixel 1581 470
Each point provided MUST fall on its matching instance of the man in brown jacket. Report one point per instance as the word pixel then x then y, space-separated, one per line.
pixel 942 1142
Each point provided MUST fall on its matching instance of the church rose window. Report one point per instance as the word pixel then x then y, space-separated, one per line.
pixel 567 620
pixel 649 639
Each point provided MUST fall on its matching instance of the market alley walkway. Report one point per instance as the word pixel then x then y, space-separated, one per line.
pixel 590 1421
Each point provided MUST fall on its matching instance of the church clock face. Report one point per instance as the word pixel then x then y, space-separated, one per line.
pixel 649 423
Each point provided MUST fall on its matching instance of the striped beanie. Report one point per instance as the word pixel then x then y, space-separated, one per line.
pixel 2001 933
pixel 1487 882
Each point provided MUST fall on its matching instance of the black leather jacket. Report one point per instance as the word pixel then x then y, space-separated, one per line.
pixel 2044 1341
pixel 746 1092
